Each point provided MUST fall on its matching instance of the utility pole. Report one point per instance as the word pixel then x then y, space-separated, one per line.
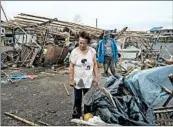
pixel 96 25
pixel 96 22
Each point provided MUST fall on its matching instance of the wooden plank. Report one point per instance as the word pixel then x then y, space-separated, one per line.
pixel 55 25
pixel 35 20
pixel 43 123
pixel 7 76
pixel 23 51
pixel 28 55
pixel 66 89
pixel 33 57
pixel 21 119
pixel 24 61
pixel 23 14
pixel 121 32
pixel 38 22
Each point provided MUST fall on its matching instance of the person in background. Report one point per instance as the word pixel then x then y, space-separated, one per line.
pixel 107 53
pixel 44 54
pixel 83 66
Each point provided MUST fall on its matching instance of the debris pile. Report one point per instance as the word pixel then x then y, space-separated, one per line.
pixel 32 36
pixel 133 100
pixel 138 52
pixel 27 55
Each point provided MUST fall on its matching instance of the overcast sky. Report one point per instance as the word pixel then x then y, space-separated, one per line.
pixel 137 15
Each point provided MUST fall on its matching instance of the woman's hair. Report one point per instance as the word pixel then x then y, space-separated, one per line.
pixel 85 35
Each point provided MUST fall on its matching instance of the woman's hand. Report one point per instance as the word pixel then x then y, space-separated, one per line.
pixel 71 74
pixel 72 84
pixel 96 82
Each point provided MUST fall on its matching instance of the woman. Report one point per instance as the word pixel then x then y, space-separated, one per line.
pixel 82 66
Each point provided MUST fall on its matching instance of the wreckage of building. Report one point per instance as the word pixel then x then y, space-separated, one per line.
pixel 165 35
pixel 35 32
pixel 145 78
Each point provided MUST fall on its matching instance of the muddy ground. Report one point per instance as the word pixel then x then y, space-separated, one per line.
pixel 41 99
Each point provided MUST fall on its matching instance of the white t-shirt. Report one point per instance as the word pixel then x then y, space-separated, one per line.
pixel 83 67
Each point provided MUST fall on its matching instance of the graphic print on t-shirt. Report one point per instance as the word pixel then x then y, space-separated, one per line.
pixel 108 44
pixel 108 49
pixel 85 64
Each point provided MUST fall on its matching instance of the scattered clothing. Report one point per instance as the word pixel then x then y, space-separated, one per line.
pixel 18 76
pixel 22 76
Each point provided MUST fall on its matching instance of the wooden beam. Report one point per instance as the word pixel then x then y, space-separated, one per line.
pixel 4 13
pixel 23 14
pixel 66 89
pixel 54 23
pixel 33 26
pixel 21 119
pixel 40 21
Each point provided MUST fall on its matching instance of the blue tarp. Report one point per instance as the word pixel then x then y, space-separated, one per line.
pixel 155 29
pixel 134 97
pixel 127 110
pixel 146 84
pixel 18 76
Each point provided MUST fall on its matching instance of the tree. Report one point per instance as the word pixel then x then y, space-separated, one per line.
pixel 77 19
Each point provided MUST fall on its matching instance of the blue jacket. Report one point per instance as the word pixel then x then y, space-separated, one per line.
pixel 101 50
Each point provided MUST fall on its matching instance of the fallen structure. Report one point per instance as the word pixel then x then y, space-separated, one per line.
pixel 30 35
